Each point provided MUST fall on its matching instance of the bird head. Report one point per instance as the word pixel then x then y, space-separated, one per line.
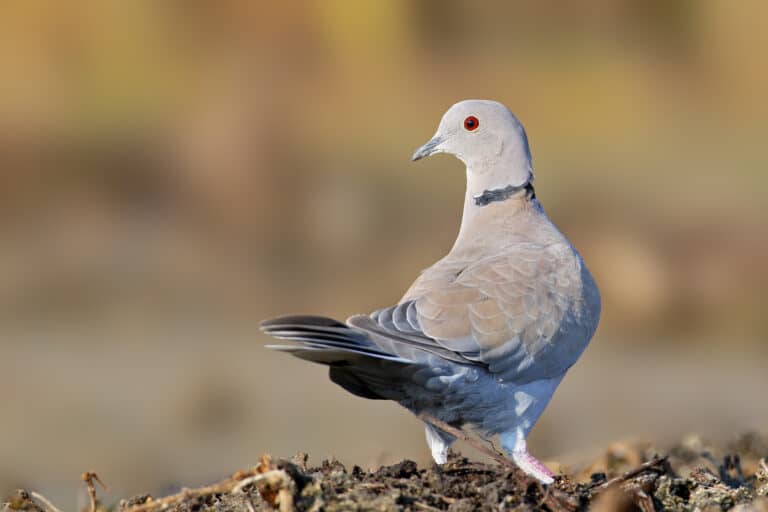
pixel 488 138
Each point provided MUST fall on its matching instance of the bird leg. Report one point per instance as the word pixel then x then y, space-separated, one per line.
pixel 514 444
pixel 533 466
pixel 439 442
pixel 463 436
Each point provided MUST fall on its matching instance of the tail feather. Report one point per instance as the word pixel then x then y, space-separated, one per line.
pixel 302 320
pixel 309 335
pixel 355 361
pixel 323 340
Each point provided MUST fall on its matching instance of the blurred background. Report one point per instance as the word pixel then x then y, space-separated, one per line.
pixel 174 172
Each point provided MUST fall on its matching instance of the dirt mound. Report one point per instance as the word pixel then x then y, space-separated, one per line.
pixel 691 476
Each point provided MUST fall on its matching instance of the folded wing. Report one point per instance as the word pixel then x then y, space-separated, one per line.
pixel 524 314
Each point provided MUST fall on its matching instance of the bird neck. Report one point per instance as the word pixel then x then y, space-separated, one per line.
pixel 502 194
pixel 490 211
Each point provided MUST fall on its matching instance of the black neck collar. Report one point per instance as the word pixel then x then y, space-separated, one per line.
pixel 502 194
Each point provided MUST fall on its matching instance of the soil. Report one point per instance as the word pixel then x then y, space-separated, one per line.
pixel 691 475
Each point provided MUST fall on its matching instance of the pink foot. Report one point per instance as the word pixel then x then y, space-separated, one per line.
pixel 514 444
pixel 532 466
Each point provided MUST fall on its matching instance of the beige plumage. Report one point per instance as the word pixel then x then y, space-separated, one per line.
pixel 504 289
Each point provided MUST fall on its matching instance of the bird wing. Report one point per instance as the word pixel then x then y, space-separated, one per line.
pixel 523 314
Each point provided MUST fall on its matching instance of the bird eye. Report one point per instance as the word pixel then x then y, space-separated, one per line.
pixel 471 123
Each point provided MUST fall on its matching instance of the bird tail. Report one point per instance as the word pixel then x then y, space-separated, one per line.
pixel 347 351
pixel 322 340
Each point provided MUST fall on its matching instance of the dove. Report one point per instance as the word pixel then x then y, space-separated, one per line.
pixel 483 337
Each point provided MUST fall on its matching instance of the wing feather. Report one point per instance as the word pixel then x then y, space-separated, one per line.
pixel 505 312
pixel 523 315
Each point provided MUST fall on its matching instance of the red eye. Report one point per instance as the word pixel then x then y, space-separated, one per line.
pixel 471 123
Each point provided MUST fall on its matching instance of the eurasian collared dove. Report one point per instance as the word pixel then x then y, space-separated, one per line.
pixel 484 336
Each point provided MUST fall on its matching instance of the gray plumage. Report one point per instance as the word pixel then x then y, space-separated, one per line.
pixel 485 335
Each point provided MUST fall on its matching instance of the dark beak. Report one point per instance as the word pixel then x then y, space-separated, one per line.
pixel 430 148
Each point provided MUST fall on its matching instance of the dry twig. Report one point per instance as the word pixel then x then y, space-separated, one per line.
pixel 651 464
pixel 274 478
pixel 641 499
pixel 222 487
pixel 275 486
pixel 45 501
pixel 89 477
pixel 462 435
pixel 275 474
pixel 552 502
pixel 424 506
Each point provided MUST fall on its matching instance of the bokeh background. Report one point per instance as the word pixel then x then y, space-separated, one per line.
pixel 174 172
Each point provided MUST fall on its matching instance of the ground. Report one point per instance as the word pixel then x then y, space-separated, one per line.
pixel 692 475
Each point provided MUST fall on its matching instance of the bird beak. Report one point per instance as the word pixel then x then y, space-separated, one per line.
pixel 430 148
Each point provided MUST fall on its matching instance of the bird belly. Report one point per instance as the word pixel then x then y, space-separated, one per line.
pixel 471 396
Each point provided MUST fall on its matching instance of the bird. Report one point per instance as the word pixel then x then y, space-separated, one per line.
pixel 484 336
